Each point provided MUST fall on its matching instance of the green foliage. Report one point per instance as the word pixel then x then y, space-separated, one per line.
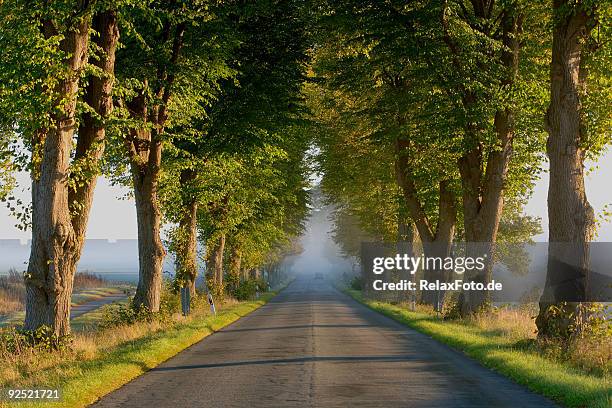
pixel 384 71
pixel 568 321
pixel 7 168
pixel 17 341
pixel 356 283
pixel 596 112
pixel 128 313
pixel 248 145
pixel 218 291
pixel 247 289
pixel 451 309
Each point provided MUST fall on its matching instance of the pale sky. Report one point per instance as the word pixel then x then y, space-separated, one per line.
pixel 115 218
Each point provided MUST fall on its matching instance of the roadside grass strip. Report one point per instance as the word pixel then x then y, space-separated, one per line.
pixel 84 382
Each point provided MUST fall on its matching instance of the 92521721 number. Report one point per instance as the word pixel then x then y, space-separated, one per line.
pixel 31 394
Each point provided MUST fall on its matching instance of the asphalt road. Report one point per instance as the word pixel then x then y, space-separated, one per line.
pixel 312 346
pixel 80 310
pixel 76 311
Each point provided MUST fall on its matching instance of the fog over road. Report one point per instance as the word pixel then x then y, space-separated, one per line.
pixel 312 346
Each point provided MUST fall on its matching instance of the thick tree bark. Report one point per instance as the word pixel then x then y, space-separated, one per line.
pixel 186 239
pixel 571 217
pixel 151 251
pixel 60 213
pixel 436 242
pixel 145 153
pixel 482 210
pixel 92 131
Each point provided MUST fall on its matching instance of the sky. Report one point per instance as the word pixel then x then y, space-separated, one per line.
pixel 114 217
pixel 598 186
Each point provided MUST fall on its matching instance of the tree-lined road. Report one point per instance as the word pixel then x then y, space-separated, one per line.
pixel 312 346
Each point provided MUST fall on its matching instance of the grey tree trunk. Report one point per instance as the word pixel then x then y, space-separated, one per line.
pixel 60 213
pixel 571 217
pixel 245 274
pixel 145 166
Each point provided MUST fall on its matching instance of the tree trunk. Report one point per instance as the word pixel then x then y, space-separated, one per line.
pixel 235 264
pixel 571 217
pixel 151 251
pixel 58 236
pixel 438 241
pixel 215 261
pixel 406 244
pixel 144 149
pixel 483 196
pixel 92 131
pixel 145 165
pixel 245 274
pixel 482 210
pixel 186 239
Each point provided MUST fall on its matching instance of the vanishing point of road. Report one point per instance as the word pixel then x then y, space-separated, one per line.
pixel 312 346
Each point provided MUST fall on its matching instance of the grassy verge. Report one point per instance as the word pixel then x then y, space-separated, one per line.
pixel 84 380
pixel 501 352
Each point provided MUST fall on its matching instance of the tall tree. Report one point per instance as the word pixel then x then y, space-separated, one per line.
pixel 474 32
pixel 434 79
pixel 571 217
pixel 169 78
pixel 63 178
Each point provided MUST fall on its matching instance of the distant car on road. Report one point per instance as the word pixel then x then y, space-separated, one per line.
pixel 318 275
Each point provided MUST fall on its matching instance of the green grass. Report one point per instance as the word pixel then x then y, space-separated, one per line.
pixel 84 382
pixel 560 382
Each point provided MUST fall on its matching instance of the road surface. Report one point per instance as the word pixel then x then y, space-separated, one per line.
pixel 76 311
pixel 80 310
pixel 312 346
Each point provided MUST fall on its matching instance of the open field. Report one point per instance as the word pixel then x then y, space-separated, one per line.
pixel 89 287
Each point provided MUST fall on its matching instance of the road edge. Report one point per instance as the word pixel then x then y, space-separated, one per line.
pixel 559 394
pixel 91 380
